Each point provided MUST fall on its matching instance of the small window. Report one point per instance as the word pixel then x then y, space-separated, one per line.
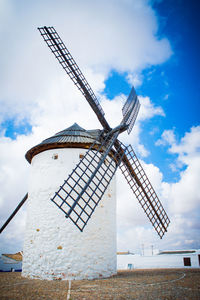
pixel 55 156
pixel 187 261
pixel 130 266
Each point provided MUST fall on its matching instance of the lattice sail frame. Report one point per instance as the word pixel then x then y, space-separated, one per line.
pixel 144 192
pixel 81 192
pixel 130 100
pixel 130 110
pixel 62 54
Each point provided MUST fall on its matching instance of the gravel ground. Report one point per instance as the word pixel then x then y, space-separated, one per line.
pixel 157 284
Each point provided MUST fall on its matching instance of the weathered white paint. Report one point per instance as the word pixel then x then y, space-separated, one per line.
pixel 54 247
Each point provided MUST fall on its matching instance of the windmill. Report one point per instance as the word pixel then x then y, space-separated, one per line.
pixel 82 191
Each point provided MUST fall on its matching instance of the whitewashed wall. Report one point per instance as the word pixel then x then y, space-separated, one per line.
pixel 54 247
pixel 156 261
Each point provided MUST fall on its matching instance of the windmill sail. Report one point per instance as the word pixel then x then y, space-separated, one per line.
pixel 144 192
pixel 66 60
pixel 14 212
pixel 130 110
pixel 81 192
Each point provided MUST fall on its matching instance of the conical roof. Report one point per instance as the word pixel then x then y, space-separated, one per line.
pixel 72 137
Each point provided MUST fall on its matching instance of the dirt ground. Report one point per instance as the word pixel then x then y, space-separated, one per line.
pixel 157 284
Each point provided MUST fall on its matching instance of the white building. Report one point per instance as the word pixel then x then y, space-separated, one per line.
pixel 54 247
pixel 163 259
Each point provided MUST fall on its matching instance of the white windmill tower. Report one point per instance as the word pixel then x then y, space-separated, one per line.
pixel 75 170
pixel 54 247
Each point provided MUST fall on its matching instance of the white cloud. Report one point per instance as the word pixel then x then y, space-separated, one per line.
pixel 189 146
pixel 166 97
pixel 134 79
pixel 184 200
pixel 148 110
pixel 168 137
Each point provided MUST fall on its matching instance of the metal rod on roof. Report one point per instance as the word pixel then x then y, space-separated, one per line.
pixel 14 212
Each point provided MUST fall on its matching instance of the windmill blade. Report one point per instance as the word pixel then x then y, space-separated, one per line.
pixel 81 192
pixel 130 100
pixel 130 110
pixel 133 115
pixel 66 60
pixel 14 212
pixel 144 192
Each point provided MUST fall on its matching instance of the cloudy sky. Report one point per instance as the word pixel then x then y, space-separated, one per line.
pixel 152 45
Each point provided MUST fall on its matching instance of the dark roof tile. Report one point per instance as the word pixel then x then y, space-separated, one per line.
pixel 73 135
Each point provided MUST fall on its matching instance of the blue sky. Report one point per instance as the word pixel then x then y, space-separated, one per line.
pixel 151 44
